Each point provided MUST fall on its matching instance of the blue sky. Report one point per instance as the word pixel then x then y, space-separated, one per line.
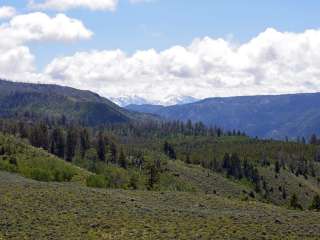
pixel 202 48
pixel 164 23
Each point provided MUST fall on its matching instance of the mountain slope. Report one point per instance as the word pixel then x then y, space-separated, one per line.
pixel 55 101
pixel 69 211
pixel 264 116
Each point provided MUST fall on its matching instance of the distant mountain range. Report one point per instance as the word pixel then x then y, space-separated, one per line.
pixel 264 116
pixel 129 100
pixel 54 101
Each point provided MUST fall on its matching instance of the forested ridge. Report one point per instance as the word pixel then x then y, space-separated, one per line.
pixel 145 155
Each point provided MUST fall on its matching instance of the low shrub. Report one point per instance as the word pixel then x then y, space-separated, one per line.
pixel 96 181
pixel 41 175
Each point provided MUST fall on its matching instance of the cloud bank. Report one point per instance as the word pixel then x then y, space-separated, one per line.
pixel 272 63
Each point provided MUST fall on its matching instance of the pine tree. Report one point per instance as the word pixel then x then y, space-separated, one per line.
pixel 39 136
pixel 236 166
pixel 57 143
pixel 317 155
pixel 188 160
pixel 71 144
pixel 44 136
pixel 23 131
pixel 123 160
pixel 84 142
pixel 189 127
pixel 226 161
pixel 35 138
pixel 284 192
pixel 153 177
pixel 113 152
pixel 169 150
pixel 2 151
pixel 101 148
pixel 216 165
pixel 277 167
pixel 92 158
pixel 264 160
pixel 294 202
pixel 315 205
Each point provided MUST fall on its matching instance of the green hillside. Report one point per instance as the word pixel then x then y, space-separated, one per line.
pixel 298 171
pixel 67 211
pixel 134 157
pixel 18 157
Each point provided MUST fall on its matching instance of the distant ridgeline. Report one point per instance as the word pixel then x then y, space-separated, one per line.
pixel 263 116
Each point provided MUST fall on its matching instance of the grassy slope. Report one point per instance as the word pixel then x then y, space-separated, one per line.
pixel 304 188
pixel 34 210
pixel 33 162
pixel 207 148
pixel 181 177
pixel 253 150
pixel 207 181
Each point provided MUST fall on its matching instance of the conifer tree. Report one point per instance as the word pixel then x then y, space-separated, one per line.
pixel 101 148
pixel 169 150
pixel 315 205
pixel 277 167
pixel 71 144
pixel 294 202
pixel 226 161
pixel 113 152
pixel 123 160
pixel 84 142
pixel 284 192
pixel 235 169
pixel 57 144
pixel 153 177
pixel 188 160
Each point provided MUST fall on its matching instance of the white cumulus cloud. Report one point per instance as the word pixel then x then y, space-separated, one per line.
pixel 16 60
pixel 272 63
pixel 40 27
pixel 64 5
pixel 7 12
